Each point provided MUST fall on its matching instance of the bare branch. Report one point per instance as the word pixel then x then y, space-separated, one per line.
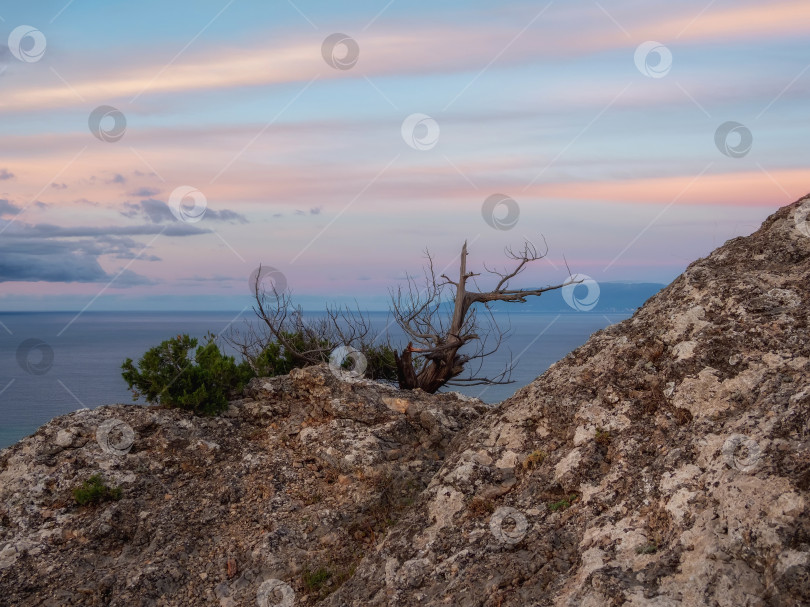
pixel 444 335
pixel 448 340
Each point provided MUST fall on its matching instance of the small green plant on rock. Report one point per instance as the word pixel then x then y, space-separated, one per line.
pixel 94 491
pixel 323 580
pixel 602 437
pixel 534 459
pixel 564 503
pixel 480 506
pixel 648 548
pixel 315 580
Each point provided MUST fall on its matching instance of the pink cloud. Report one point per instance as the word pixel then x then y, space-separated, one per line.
pixel 412 49
pixel 763 20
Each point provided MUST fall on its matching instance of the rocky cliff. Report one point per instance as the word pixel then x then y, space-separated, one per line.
pixel 665 462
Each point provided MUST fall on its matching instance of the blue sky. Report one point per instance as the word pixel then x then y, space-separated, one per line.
pixel 304 167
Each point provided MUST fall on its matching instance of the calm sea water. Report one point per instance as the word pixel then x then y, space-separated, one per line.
pixel 87 356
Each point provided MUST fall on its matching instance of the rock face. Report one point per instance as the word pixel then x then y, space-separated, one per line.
pixel 665 462
pixel 294 483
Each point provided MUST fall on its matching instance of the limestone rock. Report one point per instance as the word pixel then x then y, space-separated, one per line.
pixel 294 480
pixel 665 462
pixel 677 459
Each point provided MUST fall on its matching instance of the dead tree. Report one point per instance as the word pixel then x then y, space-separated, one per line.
pixel 305 341
pixel 440 317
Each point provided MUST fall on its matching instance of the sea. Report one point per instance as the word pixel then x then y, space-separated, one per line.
pixel 52 363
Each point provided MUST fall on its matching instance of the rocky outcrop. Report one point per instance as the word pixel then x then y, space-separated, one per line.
pixel 295 483
pixel 665 462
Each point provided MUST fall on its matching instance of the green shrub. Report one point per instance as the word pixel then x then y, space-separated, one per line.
pixel 381 362
pixel 94 491
pixel 166 375
pixel 277 359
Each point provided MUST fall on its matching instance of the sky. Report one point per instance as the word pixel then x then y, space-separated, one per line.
pixel 155 154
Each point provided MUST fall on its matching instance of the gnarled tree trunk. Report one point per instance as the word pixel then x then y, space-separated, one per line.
pixel 418 312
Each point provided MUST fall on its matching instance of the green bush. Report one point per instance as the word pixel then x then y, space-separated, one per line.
pixel 276 359
pixel 381 362
pixel 94 491
pixel 167 375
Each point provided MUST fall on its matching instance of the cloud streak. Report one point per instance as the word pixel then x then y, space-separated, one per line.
pixel 7 208
pixel 50 253
pixel 392 51
pixel 157 211
pixel 550 111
